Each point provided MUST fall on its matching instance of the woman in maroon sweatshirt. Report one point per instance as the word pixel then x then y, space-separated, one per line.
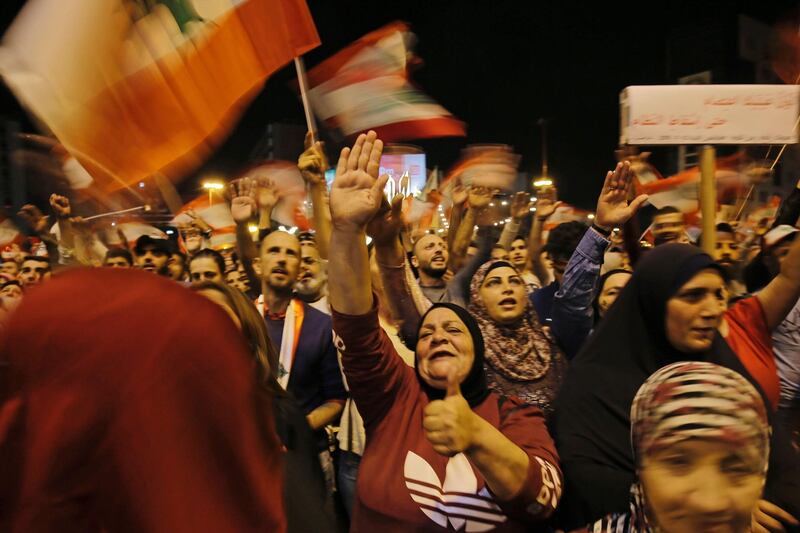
pixel 442 451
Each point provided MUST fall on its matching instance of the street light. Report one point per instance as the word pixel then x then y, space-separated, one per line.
pixel 211 186
pixel 544 180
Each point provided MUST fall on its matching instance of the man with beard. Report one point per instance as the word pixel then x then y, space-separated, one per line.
pixel 312 284
pixel 177 265
pixel 727 252
pixel 430 259
pixel 308 366
pixel 152 254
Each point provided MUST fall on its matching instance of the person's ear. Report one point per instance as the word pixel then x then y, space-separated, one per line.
pixel 414 261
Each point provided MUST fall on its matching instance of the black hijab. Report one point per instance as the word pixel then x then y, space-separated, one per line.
pixel 473 388
pixel 592 417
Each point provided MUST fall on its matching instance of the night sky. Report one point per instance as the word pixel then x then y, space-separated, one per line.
pixel 501 65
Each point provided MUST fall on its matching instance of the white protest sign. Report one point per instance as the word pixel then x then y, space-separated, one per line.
pixel 709 114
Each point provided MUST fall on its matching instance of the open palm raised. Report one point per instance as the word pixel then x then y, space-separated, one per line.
pixel 612 204
pixel 357 190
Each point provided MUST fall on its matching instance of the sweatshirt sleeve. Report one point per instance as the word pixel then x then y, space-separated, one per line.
pixel 539 496
pixel 375 373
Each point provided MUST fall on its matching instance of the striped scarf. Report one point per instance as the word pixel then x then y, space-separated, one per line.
pixel 683 401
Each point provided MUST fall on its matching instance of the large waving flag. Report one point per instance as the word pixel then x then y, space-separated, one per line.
pixel 367 86
pixel 137 87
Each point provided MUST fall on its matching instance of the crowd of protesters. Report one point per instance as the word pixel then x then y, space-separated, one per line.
pixel 375 376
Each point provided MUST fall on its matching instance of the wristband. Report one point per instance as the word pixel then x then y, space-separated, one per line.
pixel 602 231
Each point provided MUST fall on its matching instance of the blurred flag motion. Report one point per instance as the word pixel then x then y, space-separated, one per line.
pixel 367 86
pixel 137 87
pixel 486 165
pixel 681 190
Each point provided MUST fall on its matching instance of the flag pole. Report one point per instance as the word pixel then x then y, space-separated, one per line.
pixel 708 199
pixel 301 78
pixel 120 212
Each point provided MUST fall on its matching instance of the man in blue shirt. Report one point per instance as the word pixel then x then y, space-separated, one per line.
pixel 313 372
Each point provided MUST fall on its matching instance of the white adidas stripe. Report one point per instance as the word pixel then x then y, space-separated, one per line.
pixel 451 510
pixel 445 497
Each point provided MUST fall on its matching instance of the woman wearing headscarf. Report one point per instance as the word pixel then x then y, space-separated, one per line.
pixel 128 404
pixel 672 309
pixel 521 359
pixel 700 439
pixel 442 450
pixel 609 286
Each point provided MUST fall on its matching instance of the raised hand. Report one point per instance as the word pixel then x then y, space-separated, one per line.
pixel 520 205
pixel 449 423
pixel 357 190
pixel 387 224
pixel 546 203
pixel 267 193
pixel 459 193
pixel 479 197
pixel 60 206
pixel 243 199
pixel 612 205
pixel 312 162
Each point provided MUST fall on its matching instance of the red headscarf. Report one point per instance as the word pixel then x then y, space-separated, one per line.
pixel 128 403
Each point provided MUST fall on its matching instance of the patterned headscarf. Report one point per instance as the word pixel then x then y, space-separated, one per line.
pixel 698 400
pixel 684 401
pixel 521 351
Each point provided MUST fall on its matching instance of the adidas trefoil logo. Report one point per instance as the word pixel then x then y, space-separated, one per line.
pixel 457 500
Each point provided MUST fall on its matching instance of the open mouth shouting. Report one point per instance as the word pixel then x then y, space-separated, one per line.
pixel 508 303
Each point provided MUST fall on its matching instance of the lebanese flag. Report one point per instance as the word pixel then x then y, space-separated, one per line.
pixel 681 190
pixel 216 214
pixel 491 166
pixel 367 86
pixel 565 213
pixel 137 88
